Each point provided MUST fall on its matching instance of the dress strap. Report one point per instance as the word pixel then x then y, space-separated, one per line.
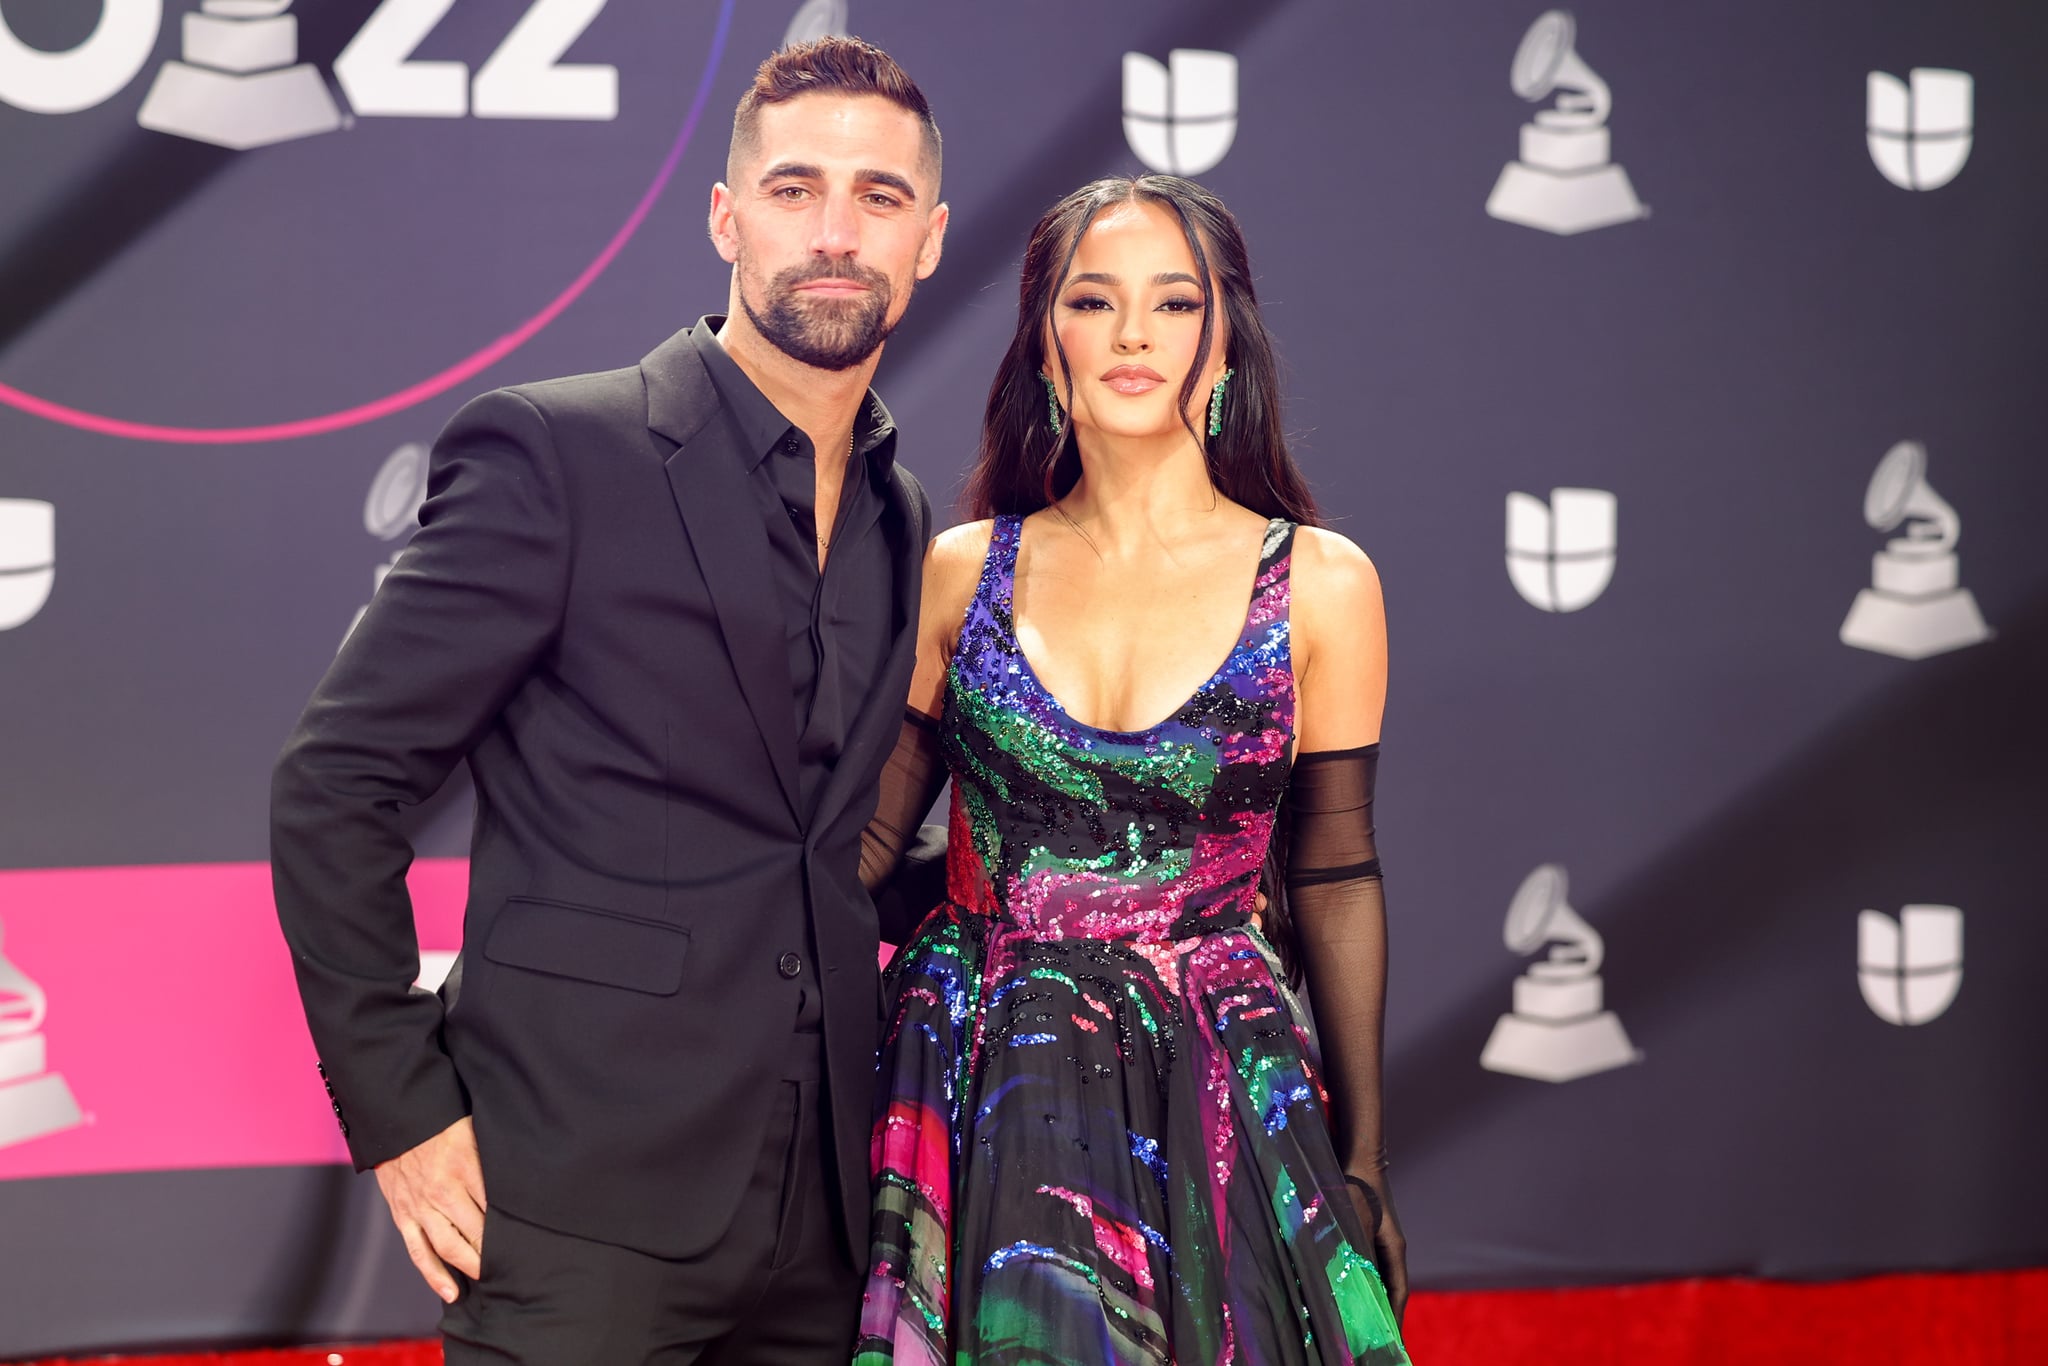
pixel 1279 550
pixel 1272 597
pixel 999 571
pixel 1003 540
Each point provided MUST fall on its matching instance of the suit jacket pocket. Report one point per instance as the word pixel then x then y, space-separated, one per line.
pixel 589 944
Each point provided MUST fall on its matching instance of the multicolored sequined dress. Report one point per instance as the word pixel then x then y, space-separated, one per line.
pixel 1102 1137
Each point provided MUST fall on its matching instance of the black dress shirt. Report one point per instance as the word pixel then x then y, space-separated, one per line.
pixel 838 622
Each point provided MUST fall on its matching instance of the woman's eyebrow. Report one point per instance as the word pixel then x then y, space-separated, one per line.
pixel 1103 277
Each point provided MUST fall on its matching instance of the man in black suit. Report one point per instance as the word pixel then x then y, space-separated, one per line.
pixel 667 615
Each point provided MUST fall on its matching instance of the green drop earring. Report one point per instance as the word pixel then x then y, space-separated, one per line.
pixel 1052 404
pixel 1216 404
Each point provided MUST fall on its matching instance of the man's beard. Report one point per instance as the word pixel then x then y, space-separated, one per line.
pixel 828 334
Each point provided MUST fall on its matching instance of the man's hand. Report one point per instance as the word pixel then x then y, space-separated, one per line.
pixel 436 1194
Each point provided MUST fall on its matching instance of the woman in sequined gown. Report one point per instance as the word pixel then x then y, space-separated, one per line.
pixel 1107 1131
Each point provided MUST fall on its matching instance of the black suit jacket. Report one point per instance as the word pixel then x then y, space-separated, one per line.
pixel 586 615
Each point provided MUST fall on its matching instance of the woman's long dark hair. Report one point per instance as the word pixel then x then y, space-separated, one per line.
pixel 1022 466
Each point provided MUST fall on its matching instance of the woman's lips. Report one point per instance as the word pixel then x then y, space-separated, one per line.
pixel 1133 379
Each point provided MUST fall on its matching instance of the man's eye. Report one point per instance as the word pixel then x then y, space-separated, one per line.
pixel 791 192
pixel 882 201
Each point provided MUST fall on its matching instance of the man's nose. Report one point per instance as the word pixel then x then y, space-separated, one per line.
pixel 838 231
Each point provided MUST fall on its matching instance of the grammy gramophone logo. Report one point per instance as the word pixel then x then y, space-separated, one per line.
pixel 1916 605
pixel 815 19
pixel 241 83
pixel 33 1100
pixel 392 511
pixel 1564 180
pixel 1560 1028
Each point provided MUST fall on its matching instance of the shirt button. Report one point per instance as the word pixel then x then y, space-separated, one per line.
pixel 789 965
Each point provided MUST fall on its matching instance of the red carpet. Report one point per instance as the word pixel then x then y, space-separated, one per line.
pixel 1983 1319
pixel 1980 1319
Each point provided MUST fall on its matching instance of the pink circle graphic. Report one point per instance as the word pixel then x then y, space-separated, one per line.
pixel 426 388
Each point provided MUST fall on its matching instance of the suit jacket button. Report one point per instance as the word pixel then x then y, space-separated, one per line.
pixel 789 965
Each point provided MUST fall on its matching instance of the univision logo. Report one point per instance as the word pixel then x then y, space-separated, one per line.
pixel 1561 554
pixel 1911 968
pixel 1180 118
pixel 28 559
pixel 1919 134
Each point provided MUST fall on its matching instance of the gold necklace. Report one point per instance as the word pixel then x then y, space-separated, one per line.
pixel 824 541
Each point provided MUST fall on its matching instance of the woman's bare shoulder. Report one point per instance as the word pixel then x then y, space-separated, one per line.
pixel 1336 604
pixel 1330 568
pixel 952 565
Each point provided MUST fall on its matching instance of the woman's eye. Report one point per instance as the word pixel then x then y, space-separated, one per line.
pixel 1182 305
pixel 1088 303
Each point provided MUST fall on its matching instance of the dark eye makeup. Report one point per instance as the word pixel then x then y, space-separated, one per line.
pixel 1095 303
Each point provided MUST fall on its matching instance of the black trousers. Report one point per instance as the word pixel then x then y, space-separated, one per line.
pixel 778 1290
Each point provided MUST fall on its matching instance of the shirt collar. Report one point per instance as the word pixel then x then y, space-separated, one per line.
pixel 762 424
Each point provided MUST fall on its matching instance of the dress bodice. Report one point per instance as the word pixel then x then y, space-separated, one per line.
pixel 1070 831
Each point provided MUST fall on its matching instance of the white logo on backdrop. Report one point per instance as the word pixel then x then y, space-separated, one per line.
pixel 1563 181
pixel 392 511
pixel 91 73
pixel 1558 1029
pixel 33 1100
pixel 1911 968
pixel 1561 553
pixel 241 84
pixel 1180 118
pixel 816 19
pixel 238 85
pixel 1919 135
pixel 435 965
pixel 28 559
pixel 1914 607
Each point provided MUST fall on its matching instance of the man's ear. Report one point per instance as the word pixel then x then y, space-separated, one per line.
pixel 934 241
pixel 719 223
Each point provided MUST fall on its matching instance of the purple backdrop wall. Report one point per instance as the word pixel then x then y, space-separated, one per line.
pixel 1805 837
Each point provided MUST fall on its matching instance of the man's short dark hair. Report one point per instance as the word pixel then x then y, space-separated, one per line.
pixel 830 65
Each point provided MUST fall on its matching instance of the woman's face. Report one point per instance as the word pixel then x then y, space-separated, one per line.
pixel 1130 317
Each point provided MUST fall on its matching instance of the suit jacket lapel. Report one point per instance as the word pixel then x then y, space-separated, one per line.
pixel 720 514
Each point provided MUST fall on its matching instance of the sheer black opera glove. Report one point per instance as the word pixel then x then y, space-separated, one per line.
pixel 903 866
pixel 1340 922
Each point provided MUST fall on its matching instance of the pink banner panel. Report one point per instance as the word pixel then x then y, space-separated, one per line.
pixel 149 1021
